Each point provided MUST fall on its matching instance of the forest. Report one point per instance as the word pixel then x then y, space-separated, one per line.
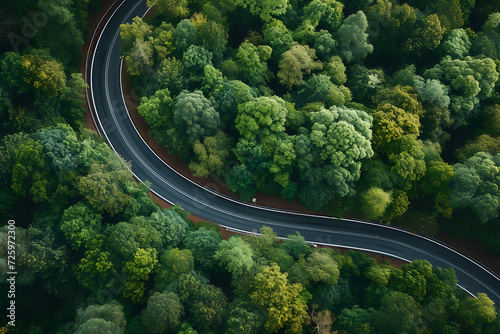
pixel 376 108
pixel 385 109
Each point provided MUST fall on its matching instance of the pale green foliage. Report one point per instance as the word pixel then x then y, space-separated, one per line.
pixel 296 62
pixel 432 92
pixel 374 202
pixel 235 255
pixel 194 114
pixel 475 312
pixel 378 275
pixel 353 38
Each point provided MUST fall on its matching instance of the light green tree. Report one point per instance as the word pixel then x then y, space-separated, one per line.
pixel 281 300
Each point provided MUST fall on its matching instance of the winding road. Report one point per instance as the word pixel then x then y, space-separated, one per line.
pixel 103 75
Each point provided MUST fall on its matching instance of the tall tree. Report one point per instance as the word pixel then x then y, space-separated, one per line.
pixel 281 300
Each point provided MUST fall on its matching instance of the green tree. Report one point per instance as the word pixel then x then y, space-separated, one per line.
pixel 176 9
pixel 231 94
pixel 157 110
pixel 456 44
pixel 398 312
pixel 281 300
pixel 469 80
pixel 352 38
pixel 211 156
pixel 195 116
pixel 337 130
pixel 208 308
pixel 28 172
pixel 172 264
pixel 185 35
pixel 408 164
pixel 41 258
pixel 251 61
pixel 261 116
pixel 139 268
pixel 241 320
pixel 324 14
pixel 374 202
pixel 324 44
pixel 483 143
pixel 137 46
pixel 80 224
pixel 195 59
pixel 204 244
pixel 265 9
pixel 475 186
pixel 95 267
pixel 214 39
pixel 296 62
pixel 391 124
pixel 475 313
pixel 104 186
pixel 163 41
pixel 163 313
pixel 296 245
pixel 107 318
pixel 235 255
pixel 319 88
pixel 356 320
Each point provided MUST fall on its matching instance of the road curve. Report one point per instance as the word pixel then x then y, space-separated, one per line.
pixel 103 75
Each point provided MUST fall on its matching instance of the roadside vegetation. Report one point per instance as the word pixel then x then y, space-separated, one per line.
pixel 373 107
pixel 388 110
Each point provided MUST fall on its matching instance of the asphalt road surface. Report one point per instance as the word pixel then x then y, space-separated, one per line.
pixel 115 124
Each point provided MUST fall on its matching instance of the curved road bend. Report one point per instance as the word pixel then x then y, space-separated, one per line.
pixel 114 123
